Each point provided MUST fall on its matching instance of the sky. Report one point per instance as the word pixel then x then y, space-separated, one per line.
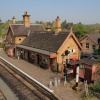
pixel 84 11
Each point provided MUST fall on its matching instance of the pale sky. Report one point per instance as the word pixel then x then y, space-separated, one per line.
pixel 84 11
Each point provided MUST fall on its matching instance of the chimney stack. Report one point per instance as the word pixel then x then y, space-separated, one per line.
pixel 26 19
pixel 13 20
pixel 57 25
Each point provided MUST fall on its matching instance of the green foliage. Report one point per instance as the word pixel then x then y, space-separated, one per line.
pixel 98 71
pixel 3 28
pixel 1 45
pixel 79 30
pixel 90 95
pixel 95 28
pixel 67 52
pixel 96 88
pixel 66 26
pixel 37 22
pixel 52 29
pixel 19 22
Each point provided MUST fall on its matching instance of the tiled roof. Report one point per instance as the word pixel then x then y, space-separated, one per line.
pixel 95 37
pixel 88 61
pixel 45 41
pixel 84 61
pixel 20 29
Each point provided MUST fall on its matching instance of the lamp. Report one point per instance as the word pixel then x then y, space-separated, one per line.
pixel 62 55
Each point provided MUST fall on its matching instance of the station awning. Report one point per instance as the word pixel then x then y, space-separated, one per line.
pixel 51 54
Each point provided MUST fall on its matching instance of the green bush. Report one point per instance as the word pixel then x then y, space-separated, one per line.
pixel 1 45
pixel 96 88
pixel 98 71
pixel 89 96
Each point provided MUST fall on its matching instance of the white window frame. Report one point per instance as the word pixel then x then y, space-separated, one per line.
pixel 93 47
pixel 87 45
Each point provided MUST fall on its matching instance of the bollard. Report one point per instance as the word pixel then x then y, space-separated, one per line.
pixel 65 82
pixel 58 81
pixel 50 84
pixel 18 57
pixel 55 81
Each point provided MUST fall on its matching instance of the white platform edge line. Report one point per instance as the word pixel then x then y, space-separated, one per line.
pixel 51 91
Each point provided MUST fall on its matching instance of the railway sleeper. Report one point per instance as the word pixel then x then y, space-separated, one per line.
pixel 24 94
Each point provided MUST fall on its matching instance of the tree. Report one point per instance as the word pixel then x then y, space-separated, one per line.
pixel 37 22
pixel 79 30
pixel 52 29
pixel 3 28
pixel 94 28
pixel 66 26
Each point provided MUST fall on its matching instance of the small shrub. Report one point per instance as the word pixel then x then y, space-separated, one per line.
pixel 96 88
pixel 90 95
pixel 1 45
pixel 98 71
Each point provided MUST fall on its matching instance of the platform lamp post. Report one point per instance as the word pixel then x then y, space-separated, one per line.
pixel 68 55
pixel 63 63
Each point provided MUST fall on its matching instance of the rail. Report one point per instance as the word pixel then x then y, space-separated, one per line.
pixel 49 91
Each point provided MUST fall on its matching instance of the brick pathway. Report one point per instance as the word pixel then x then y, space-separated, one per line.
pixel 44 76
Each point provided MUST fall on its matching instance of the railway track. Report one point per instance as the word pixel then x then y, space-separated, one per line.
pixel 2 96
pixel 24 86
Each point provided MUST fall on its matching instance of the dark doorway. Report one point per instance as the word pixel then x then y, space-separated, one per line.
pixel 30 57
pixel 38 59
pixel 21 54
pixel 54 65
pixel 88 73
pixel 14 52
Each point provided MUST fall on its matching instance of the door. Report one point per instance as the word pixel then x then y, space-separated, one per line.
pixel 28 56
pixel 38 58
pixel 88 74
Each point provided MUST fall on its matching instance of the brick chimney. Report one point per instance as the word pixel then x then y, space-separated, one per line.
pixel 13 20
pixel 26 19
pixel 57 25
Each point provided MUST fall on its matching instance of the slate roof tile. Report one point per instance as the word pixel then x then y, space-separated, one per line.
pixel 45 41
pixel 95 37
pixel 20 29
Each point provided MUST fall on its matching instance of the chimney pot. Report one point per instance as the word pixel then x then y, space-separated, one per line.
pixel 57 16
pixel 25 13
pixel 13 20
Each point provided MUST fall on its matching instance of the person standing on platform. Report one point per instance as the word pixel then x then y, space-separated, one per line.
pixel 19 53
